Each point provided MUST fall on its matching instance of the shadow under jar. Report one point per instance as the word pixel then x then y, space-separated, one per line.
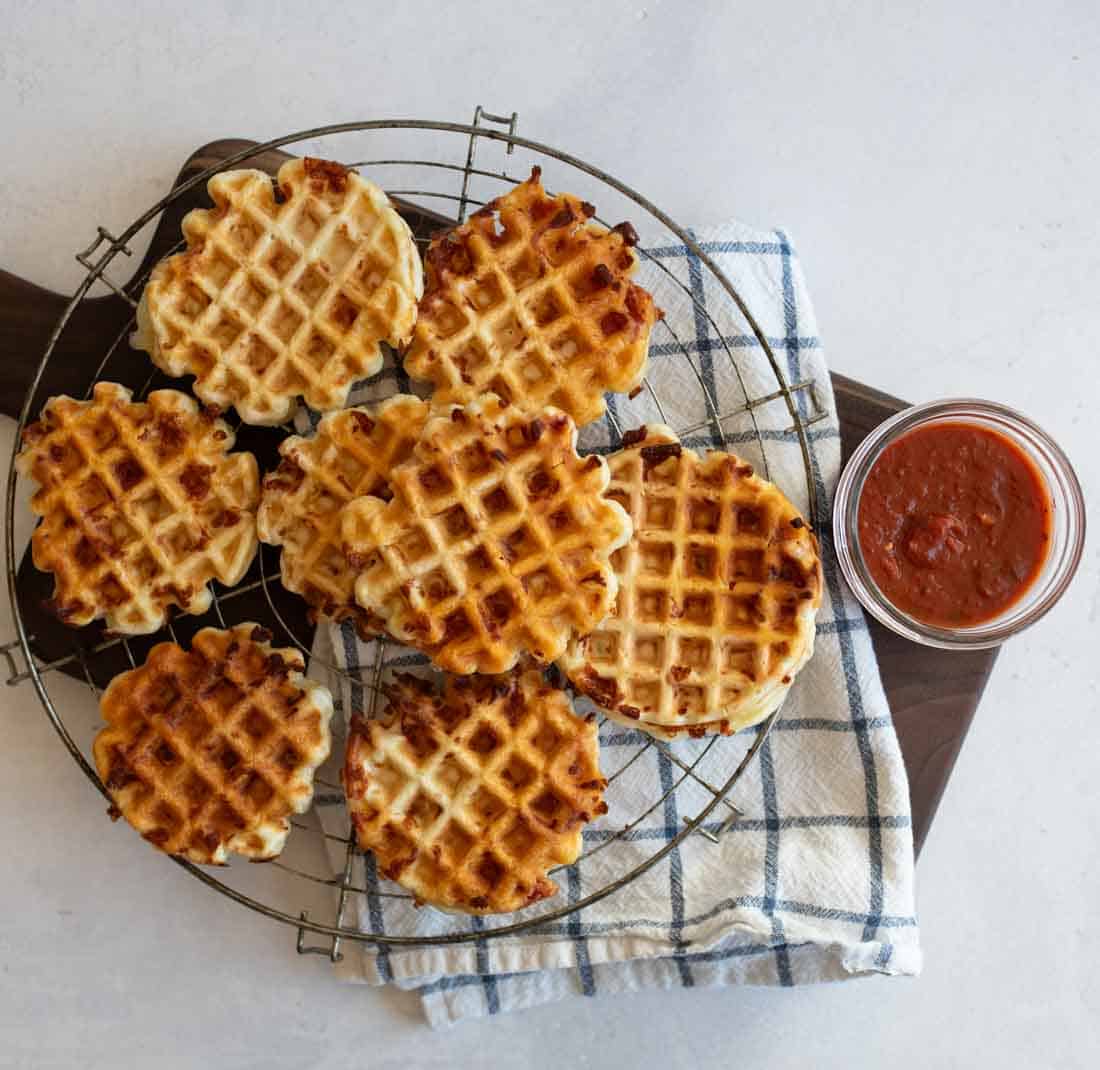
pixel 958 523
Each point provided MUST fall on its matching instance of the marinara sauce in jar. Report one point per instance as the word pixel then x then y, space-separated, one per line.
pixel 958 523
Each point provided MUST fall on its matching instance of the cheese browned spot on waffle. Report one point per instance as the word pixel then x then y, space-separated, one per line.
pixel 281 297
pixel 718 591
pixel 531 301
pixel 351 453
pixel 468 798
pixel 496 541
pixel 141 505
pixel 211 750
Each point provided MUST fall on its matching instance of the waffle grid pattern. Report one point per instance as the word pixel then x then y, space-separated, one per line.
pixel 497 540
pixel 209 751
pixel 531 302
pixel 718 591
pixel 467 798
pixel 141 506
pixel 351 454
pixel 279 298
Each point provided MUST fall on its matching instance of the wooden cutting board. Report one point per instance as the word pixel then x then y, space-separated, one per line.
pixel 933 694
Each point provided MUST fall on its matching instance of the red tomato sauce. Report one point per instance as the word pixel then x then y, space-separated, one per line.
pixel 954 523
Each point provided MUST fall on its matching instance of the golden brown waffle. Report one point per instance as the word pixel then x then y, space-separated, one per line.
pixel 211 750
pixel 351 454
pixel 141 505
pixel 496 541
pixel 750 715
pixel 277 298
pixel 531 301
pixel 468 798
pixel 718 590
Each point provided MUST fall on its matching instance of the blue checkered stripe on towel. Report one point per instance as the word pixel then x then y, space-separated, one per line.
pixel 815 882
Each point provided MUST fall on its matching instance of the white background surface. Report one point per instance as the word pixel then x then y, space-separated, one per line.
pixel 938 172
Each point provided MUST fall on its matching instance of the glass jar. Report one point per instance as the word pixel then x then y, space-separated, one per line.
pixel 1067 532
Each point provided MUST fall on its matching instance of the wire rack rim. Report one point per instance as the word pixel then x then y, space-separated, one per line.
pixel 95 271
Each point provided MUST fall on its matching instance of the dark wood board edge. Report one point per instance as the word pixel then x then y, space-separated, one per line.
pixel 933 694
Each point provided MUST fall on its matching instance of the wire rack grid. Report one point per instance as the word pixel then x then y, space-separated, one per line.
pixel 23 662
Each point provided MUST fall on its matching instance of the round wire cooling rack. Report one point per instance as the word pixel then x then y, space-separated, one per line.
pixel 685 388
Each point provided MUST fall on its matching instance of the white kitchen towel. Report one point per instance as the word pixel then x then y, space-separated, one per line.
pixel 815 881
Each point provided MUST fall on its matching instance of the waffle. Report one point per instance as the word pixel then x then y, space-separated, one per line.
pixel 469 797
pixel 496 541
pixel 281 297
pixel 141 506
pixel 211 750
pixel 723 726
pixel 718 591
pixel 351 454
pixel 530 301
